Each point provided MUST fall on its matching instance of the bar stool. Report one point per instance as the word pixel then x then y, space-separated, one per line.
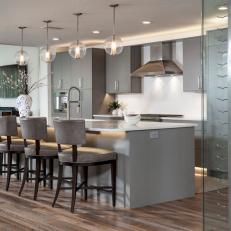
pixel 72 132
pixel 14 140
pixel 36 129
pixel 8 128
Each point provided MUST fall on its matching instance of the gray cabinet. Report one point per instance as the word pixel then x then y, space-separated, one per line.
pixel 82 71
pixel 118 69
pixel 88 74
pixel 192 80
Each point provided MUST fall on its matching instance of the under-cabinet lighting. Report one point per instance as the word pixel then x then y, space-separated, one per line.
pixel 95 32
pixel 223 7
pixel 145 22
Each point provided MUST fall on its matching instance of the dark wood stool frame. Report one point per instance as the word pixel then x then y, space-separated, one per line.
pixel 84 185
pixel 39 160
pixel 9 164
pixel 3 165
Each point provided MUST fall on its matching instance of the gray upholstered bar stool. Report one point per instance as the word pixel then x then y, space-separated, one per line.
pixel 15 140
pixel 73 132
pixel 36 129
pixel 8 128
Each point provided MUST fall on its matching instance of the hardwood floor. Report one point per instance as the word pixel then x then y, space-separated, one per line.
pixel 22 213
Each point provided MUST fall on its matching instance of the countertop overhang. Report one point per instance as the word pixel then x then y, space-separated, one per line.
pixel 122 126
pixel 94 125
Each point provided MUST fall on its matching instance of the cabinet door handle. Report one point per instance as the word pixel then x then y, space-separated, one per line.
pixel 80 82
pixel 199 83
pixel 116 85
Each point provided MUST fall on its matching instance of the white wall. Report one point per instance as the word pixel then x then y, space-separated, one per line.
pixel 44 92
pixel 164 94
pixel 7 57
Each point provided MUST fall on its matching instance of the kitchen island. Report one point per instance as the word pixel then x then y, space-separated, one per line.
pixel 155 160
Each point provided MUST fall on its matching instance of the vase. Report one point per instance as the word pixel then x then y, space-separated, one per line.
pixel 115 112
pixel 24 103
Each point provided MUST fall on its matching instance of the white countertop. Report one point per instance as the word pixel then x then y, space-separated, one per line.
pixel 121 126
pixel 183 118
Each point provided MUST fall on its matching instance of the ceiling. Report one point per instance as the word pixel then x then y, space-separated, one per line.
pixel 165 15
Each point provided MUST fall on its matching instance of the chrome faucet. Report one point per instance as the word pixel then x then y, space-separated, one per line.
pixel 69 101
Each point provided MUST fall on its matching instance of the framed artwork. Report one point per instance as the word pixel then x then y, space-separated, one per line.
pixel 10 80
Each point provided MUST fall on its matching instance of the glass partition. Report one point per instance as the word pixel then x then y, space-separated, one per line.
pixel 216 114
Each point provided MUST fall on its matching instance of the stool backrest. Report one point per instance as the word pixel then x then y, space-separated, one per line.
pixel 70 132
pixel 34 128
pixel 8 126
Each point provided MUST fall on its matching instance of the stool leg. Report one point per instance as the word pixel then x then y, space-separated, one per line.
pixel 4 161
pixel 74 185
pixel 44 172
pixel 37 177
pixel 25 175
pixel 1 163
pixel 85 174
pixel 31 168
pixel 18 165
pixel 9 168
pixel 51 169
pixel 59 183
pixel 113 179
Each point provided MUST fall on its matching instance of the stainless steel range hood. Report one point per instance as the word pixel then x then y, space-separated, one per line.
pixel 161 63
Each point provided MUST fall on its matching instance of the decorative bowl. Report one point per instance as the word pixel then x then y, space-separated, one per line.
pixel 132 119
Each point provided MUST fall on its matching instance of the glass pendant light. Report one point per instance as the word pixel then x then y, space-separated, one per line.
pixel 77 50
pixel 113 44
pixel 47 53
pixel 21 57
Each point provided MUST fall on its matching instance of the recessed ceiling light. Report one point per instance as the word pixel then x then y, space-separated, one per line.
pixel 95 32
pixel 56 39
pixel 223 7
pixel 145 22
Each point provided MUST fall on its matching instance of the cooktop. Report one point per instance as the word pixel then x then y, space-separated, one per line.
pixel 160 115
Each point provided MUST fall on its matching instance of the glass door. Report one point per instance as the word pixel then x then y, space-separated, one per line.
pixel 216 101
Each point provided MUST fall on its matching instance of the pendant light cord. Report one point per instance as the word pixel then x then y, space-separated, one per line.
pixel 77 28
pixel 22 37
pixel 114 22
pixel 47 35
pixel 22 40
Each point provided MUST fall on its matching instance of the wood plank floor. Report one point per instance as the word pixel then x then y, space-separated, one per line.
pixel 22 213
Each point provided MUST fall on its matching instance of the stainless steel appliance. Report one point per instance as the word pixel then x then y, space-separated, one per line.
pixel 157 117
pixel 161 63
pixel 61 102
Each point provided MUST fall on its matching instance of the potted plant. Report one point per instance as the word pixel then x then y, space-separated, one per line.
pixel 114 106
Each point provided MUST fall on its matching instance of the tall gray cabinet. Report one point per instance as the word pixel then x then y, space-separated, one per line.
pixel 118 69
pixel 88 74
pixel 192 80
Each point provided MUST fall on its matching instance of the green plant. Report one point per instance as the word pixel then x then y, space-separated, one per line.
pixel 113 105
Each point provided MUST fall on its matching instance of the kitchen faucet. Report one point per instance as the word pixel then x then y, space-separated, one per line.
pixel 69 101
